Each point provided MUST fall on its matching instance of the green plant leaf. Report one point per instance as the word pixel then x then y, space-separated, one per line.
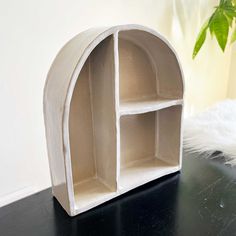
pixel 233 36
pixel 230 12
pixel 220 26
pixel 228 3
pixel 222 2
pixel 211 32
pixel 222 19
pixel 200 39
pixel 229 19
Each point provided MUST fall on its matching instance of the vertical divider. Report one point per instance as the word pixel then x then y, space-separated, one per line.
pixel 117 106
pixel 157 134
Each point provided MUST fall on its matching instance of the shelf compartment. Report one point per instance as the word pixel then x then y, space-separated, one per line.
pixel 142 106
pixel 90 192
pixel 143 171
pixel 146 69
pixel 137 76
pixel 92 127
pixel 149 146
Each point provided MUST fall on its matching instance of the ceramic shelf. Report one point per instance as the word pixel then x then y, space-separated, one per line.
pixel 112 106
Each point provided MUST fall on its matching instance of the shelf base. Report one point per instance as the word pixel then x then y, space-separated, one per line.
pixel 93 192
pixel 90 193
pixel 144 171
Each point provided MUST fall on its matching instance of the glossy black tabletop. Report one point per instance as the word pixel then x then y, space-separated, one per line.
pixel 201 200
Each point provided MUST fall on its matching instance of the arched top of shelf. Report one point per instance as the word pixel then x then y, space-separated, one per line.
pixel 69 61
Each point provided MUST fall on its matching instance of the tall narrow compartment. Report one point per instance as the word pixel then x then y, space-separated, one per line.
pixel 112 106
pixel 92 128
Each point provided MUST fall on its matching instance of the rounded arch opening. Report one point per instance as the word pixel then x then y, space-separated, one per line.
pixel 148 68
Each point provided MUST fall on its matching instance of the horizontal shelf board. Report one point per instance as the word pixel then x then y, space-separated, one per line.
pixel 142 172
pixel 91 193
pixel 142 106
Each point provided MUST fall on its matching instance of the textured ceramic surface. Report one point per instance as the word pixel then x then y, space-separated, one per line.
pixel 113 106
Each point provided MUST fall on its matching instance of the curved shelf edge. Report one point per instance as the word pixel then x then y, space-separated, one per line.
pixel 139 107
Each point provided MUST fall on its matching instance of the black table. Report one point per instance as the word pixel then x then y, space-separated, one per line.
pixel 199 201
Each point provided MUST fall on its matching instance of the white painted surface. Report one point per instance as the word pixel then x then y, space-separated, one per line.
pixel 32 32
pixel 232 75
pixel 19 194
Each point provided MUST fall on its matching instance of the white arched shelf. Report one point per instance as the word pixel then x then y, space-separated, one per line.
pixel 112 104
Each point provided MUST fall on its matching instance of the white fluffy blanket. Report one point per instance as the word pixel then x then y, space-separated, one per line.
pixel 213 131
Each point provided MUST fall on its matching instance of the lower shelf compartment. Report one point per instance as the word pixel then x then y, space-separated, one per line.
pixel 93 192
pixel 143 171
pixel 90 193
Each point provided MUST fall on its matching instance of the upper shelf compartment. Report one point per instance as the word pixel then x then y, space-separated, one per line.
pixel 148 71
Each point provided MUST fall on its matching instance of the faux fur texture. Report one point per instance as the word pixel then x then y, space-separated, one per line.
pixel 213 131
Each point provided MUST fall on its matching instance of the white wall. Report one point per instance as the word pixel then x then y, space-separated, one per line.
pixel 33 31
pixel 232 75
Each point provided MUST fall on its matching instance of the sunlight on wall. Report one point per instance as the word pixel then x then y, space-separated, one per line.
pixel 232 75
pixel 34 32
pixel 206 77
